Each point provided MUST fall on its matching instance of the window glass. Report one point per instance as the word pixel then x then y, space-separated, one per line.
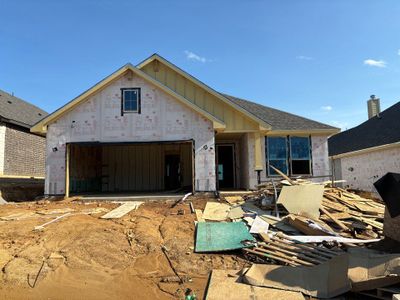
pixel 277 148
pixel 131 98
pixel 277 153
pixel 299 147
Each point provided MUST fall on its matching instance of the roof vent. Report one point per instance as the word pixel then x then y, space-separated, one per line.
pixel 39 114
pixel 374 107
pixel 9 101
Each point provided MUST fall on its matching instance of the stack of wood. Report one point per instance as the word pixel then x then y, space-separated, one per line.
pixel 354 215
pixel 283 250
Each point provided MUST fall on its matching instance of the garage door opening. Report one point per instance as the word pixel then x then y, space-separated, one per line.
pixel 130 168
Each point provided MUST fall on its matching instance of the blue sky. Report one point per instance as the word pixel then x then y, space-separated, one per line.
pixel 321 59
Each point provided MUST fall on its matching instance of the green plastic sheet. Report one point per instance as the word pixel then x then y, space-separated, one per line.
pixel 221 236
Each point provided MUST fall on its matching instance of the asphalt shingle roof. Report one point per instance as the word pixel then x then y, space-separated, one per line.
pixel 379 130
pixel 19 111
pixel 279 120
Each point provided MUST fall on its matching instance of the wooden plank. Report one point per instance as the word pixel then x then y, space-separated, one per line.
pixel 336 221
pixel 282 255
pixel 283 175
pixel 122 210
pixel 290 262
pixel 291 253
pixel 199 215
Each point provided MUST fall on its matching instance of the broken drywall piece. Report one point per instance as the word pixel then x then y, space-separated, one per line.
pixel 227 284
pixel 325 280
pixel 259 226
pixel 302 199
pixel 122 210
pixel 215 211
pixel 221 236
pixel 369 269
pixel 327 238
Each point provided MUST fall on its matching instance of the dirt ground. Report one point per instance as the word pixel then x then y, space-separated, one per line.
pixel 85 257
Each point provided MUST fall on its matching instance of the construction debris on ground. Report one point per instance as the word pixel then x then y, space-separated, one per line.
pixel 300 236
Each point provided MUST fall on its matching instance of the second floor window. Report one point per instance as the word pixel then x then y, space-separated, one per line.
pixel 131 100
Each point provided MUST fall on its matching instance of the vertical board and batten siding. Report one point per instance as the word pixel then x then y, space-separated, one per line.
pixel 142 167
pixel 234 119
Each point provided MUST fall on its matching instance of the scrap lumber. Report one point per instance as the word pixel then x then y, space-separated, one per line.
pixel 199 215
pixel 336 221
pixel 122 210
pixel 41 227
pixel 283 175
pixel 271 256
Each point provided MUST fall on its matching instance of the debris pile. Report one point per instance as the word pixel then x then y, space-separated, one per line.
pixel 299 236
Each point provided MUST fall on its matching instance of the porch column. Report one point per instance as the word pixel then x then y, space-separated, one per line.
pixel 258 162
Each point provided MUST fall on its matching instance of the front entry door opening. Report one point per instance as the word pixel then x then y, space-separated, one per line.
pixel 226 166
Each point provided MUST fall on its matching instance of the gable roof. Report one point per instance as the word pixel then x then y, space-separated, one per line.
pixel 280 120
pixel 220 96
pixel 41 126
pixel 17 111
pixel 379 130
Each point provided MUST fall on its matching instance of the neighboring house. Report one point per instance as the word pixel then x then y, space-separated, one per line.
pixel 365 153
pixel 22 153
pixel 153 127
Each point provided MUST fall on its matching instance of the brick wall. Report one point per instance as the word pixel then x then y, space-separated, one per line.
pixel 24 153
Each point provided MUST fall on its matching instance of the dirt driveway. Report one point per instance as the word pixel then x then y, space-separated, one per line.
pixel 84 257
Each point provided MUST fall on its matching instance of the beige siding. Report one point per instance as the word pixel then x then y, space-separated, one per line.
pixel 234 120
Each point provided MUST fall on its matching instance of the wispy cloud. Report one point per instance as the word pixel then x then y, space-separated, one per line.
pixel 303 57
pixel 375 63
pixel 327 108
pixel 193 56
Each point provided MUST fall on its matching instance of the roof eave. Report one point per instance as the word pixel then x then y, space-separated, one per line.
pixel 204 86
pixel 328 131
pixel 366 150
pixel 41 126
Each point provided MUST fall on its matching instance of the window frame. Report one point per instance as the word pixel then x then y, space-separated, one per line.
pixel 291 156
pixel 288 155
pixel 138 110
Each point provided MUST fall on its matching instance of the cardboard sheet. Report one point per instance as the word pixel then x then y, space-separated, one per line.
pixel 221 236
pixel 326 280
pixel 370 269
pixel 215 211
pixel 302 199
pixel 226 284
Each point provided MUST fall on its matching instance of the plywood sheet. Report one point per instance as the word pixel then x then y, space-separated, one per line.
pixel 325 280
pixel 302 199
pixel 215 211
pixel 226 284
pixel 221 236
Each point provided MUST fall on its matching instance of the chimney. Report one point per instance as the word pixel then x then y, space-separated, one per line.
pixel 374 107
